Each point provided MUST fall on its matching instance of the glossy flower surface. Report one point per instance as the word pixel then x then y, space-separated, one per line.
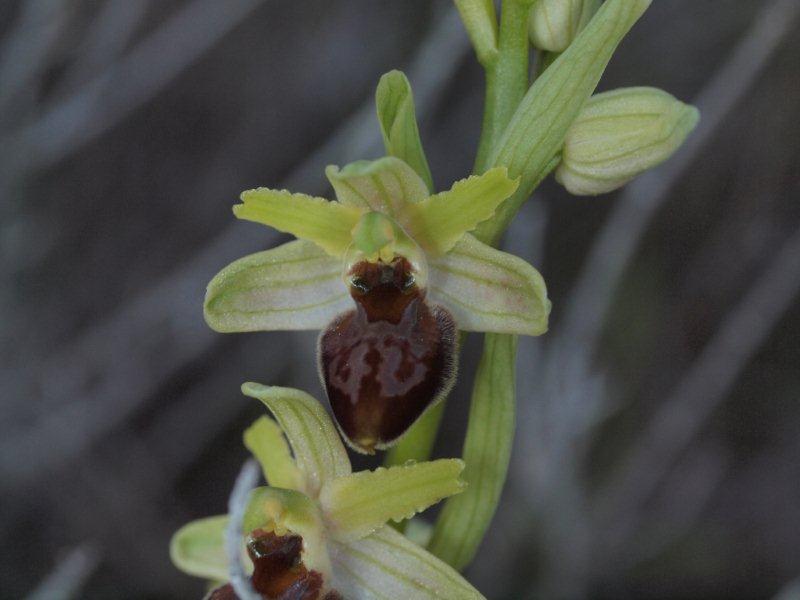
pixel 390 273
pixel 318 530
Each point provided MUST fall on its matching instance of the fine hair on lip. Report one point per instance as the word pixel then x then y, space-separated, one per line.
pixel 387 361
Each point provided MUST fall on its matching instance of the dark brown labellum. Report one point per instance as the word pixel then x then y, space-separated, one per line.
pixel 278 572
pixel 277 569
pixel 388 360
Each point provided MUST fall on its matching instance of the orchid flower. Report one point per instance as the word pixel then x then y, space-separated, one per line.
pixel 318 530
pixel 389 273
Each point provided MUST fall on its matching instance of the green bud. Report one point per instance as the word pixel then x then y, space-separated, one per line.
pixel 555 23
pixel 620 134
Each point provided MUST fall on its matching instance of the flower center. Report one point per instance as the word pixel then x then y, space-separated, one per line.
pixel 278 570
pixel 384 290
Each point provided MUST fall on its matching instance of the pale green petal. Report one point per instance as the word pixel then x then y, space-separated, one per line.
pixel 327 224
pixel 395 105
pixel 489 290
pixel 266 441
pixel 387 566
pixel 386 185
pixel 356 505
pixel 198 548
pixel 318 451
pixel 465 518
pixel 438 222
pixel 294 286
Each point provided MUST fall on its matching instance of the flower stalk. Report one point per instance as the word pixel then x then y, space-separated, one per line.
pixel 530 144
pixel 465 519
pixel 506 77
pixel 529 148
pixel 390 272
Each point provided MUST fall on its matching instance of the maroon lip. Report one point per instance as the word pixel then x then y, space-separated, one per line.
pixel 278 571
pixel 387 360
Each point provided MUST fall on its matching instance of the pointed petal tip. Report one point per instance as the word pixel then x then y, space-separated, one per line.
pixel 251 388
pixel 321 456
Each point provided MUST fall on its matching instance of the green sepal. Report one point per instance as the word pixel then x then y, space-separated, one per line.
pixel 198 548
pixel 395 106
pixel 356 505
pixel 318 451
pixel 266 442
pixel 386 564
pixel 489 290
pixel 294 286
pixel 386 185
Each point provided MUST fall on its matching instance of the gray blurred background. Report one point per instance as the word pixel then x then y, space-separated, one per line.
pixel 657 452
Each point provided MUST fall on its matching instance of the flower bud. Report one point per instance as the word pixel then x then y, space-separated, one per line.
pixel 620 134
pixel 555 23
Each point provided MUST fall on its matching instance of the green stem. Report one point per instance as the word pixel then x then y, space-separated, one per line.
pixel 506 77
pixel 529 148
pixel 490 232
pixel 487 450
pixel 487 446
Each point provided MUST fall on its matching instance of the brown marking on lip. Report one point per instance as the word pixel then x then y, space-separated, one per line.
pixel 388 360
pixel 278 571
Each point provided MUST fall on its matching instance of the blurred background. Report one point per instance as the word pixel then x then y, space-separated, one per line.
pixel 657 449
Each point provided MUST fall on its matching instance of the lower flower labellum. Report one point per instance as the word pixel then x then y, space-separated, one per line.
pixel 386 362
pixel 278 571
